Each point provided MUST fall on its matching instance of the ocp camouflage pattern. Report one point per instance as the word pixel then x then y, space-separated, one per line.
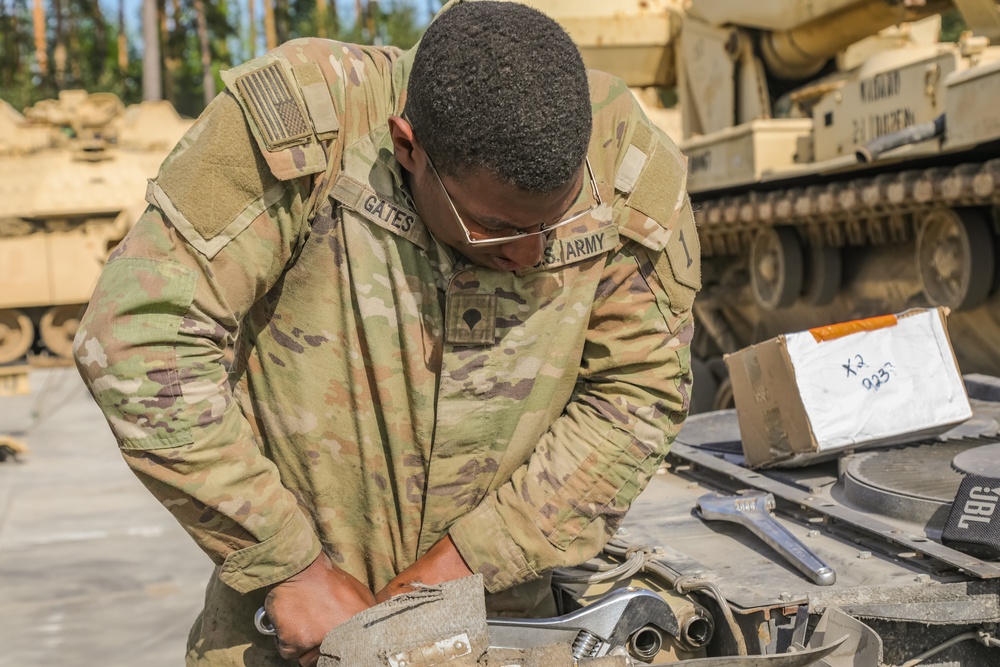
pixel 384 392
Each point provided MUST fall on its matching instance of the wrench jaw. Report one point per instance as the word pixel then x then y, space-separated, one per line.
pixel 634 618
pixel 753 511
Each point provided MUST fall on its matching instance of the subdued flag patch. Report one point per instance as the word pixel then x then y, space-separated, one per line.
pixel 278 115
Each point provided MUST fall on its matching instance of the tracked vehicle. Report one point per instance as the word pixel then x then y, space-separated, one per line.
pixel 842 160
pixel 72 181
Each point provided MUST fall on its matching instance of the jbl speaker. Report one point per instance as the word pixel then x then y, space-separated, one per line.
pixel 974 522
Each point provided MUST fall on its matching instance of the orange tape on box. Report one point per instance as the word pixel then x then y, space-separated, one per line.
pixel 835 331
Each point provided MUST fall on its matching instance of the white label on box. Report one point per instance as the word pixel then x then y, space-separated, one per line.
pixel 877 384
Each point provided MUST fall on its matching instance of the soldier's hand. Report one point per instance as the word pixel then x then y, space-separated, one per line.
pixel 306 606
pixel 442 562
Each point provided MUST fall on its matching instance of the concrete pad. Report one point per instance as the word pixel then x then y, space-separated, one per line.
pixel 93 571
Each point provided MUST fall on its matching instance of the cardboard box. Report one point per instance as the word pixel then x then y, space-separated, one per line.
pixel 807 396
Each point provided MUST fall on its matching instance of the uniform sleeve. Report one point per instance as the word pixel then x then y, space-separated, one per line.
pixel 229 210
pixel 630 400
pixel 218 235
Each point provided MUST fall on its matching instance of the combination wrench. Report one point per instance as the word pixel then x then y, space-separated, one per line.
pixel 753 511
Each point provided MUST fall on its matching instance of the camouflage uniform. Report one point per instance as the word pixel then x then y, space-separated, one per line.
pixel 385 392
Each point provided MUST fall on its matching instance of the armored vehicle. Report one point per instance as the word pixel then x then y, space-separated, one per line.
pixel 72 181
pixel 842 160
pixel 760 566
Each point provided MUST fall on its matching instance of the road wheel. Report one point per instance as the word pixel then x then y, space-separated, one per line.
pixel 16 334
pixel 776 267
pixel 58 327
pixel 956 258
pixel 823 275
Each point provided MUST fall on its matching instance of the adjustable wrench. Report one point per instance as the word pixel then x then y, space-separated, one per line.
pixel 753 511
pixel 612 621
pixel 594 630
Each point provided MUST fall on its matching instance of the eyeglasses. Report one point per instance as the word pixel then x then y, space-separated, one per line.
pixel 499 237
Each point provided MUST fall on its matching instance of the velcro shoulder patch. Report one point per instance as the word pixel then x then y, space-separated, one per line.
pixel 276 111
pixel 319 101
pixel 215 182
pixel 658 192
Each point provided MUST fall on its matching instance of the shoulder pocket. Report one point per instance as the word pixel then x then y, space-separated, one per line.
pixel 136 313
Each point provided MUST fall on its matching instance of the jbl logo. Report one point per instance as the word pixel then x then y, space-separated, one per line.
pixel 979 507
pixel 973 524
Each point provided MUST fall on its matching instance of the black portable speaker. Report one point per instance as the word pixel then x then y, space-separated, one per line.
pixel 974 522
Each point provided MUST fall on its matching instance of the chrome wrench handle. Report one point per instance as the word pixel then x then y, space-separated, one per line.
pixel 753 511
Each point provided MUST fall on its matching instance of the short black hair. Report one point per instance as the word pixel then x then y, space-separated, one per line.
pixel 501 86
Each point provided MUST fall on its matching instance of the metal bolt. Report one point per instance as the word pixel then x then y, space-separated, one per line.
pixel 813 533
pixel 923 579
pixel 785 597
pixel 864 555
pixel 659 551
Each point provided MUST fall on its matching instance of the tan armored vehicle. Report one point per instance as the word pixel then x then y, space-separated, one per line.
pixel 72 181
pixel 842 161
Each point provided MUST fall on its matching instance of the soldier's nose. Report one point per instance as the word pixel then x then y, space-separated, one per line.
pixel 525 251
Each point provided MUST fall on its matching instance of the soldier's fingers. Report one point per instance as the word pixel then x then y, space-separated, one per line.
pixel 290 650
pixel 309 658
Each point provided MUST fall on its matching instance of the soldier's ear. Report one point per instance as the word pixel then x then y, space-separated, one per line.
pixel 405 146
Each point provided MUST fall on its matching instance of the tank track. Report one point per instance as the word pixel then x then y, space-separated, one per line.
pixel 875 210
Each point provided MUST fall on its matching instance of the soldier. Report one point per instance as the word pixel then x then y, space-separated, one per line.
pixel 461 278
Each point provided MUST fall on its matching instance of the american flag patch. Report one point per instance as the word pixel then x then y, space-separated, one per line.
pixel 278 115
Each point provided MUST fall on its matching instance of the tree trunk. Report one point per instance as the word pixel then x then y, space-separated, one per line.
pixel 252 11
pixel 100 53
pixel 281 18
pixel 207 78
pixel 372 12
pixel 170 40
pixel 152 88
pixel 41 48
pixel 359 20
pixel 10 56
pixel 122 43
pixel 168 81
pixel 60 54
pixel 270 33
pixel 321 18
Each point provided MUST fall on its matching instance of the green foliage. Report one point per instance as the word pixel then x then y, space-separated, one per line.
pixel 952 26
pixel 182 72
pixel 91 47
pixel 400 22
pixel 90 42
